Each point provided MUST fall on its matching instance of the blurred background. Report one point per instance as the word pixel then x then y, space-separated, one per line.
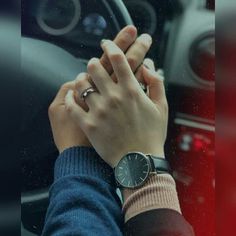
pixel 184 46
pixel 9 117
pixel 226 118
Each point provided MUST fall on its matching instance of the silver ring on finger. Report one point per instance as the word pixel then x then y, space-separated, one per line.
pixel 87 92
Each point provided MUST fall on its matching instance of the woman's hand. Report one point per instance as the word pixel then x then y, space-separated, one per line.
pixel 121 117
pixel 66 132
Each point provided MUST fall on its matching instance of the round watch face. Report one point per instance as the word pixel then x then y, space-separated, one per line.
pixel 132 170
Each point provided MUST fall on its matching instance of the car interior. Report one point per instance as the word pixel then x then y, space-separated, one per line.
pixel 60 36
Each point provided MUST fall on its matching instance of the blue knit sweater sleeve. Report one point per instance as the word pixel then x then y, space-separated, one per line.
pixel 83 200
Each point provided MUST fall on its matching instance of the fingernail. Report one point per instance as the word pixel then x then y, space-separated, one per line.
pixel 128 35
pixel 161 72
pixel 69 98
pixel 155 74
pixel 69 94
pixel 131 30
pixel 93 60
pixel 152 72
pixel 149 62
pixel 162 78
pixel 146 38
pixel 103 41
pixel 107 42
pixel 80 76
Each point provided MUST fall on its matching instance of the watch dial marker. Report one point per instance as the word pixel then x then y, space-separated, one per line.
pixel 133 170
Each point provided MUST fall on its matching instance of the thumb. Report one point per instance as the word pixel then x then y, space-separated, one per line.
pixel 155 83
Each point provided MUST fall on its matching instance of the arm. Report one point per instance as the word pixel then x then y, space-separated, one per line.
pixel 159 222
pixel 130 121
pixel 154 209
pixel 83 200
pixel 63 216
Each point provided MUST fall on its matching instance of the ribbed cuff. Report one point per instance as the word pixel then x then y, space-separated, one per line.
pixel 79 161
pixel 158 193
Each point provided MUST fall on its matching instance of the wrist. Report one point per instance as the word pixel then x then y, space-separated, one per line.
pixel 78 161
pixel 134 168
pixel 62 148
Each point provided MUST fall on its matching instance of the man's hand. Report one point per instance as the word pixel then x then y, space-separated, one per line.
pixel 121 117
pixel 68 133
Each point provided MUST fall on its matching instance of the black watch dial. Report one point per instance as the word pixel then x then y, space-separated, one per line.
pixel 133 170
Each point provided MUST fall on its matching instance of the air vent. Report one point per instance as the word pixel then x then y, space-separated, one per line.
pixel 202 58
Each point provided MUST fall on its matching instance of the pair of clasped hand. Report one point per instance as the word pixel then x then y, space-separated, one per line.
pixel 106 108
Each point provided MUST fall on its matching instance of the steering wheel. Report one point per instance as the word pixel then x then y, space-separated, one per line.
pixel 45 67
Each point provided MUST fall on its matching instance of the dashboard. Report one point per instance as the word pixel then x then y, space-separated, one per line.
pixel 153 17
pixel 78 26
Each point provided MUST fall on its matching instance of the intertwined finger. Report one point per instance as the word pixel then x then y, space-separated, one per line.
pixel 99 76
pixel 155 85
pixel 124 40
pixel 119 63
pixel 149 64
pixel 137 52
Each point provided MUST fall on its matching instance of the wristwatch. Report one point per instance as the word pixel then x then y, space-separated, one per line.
pixel 134 169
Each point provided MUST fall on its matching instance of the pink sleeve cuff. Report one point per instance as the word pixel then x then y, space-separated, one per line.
pixel 158 192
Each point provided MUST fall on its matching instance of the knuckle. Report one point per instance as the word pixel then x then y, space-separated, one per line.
pixel 133 93
pixel 116 57
pixel 100 112
pixel 51 109
pixel 114 100
pixel 80 83
pixel 69 108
